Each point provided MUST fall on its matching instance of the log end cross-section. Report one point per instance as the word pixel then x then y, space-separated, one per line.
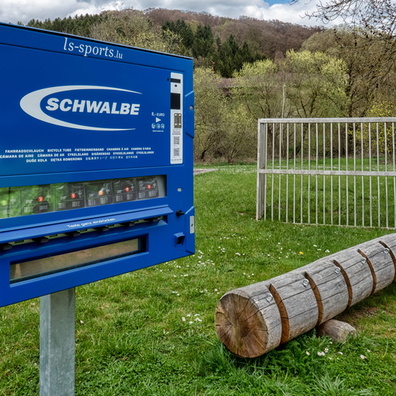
pixel 248 326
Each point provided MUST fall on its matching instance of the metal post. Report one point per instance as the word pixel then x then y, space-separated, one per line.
pixel 261 164
pixel 57 343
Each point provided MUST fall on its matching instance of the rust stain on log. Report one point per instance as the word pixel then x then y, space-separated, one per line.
pixel 347 281
pixel 283 313
pixel 317 295
pixel 373 274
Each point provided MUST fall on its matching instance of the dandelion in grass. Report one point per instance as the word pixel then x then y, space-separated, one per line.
pixel 301 253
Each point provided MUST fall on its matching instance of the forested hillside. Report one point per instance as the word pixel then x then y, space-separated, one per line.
pixel 247 69
pixel 222 43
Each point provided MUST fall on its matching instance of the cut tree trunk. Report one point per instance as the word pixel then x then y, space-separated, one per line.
pixel 257 318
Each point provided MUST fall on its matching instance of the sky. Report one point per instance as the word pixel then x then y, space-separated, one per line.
pixel 24 10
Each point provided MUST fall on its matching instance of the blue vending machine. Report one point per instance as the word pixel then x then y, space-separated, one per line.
pixel 96 160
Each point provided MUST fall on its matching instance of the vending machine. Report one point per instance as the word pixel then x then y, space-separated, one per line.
pixel 96 160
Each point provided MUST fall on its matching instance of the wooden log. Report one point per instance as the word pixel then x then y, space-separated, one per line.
pixel 337 330
pixel 255 319
pixel 248 321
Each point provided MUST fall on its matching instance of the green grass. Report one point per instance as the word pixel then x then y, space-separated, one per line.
pixel 151 332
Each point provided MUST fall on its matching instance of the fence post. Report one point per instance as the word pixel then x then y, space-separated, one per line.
pixel 261 164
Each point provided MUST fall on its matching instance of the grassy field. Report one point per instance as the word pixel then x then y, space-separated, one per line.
pixel 151 332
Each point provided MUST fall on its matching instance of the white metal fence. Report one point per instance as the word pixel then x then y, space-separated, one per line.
pixel 337 171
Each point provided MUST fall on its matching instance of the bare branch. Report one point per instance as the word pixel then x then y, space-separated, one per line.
pixel 377 17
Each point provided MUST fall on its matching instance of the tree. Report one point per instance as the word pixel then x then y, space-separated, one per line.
pixel 184 31
pixel 259 86
pixel 203 45
pixel 367 65
pixel 316 86
pixel 381 139
pixel 227 59
pixel 133 28
pixel 210 107
pixel 241 137
pixel 224 128
pixel 230 56
pixel 304 84
pixel 373 20
pixel 79 25
pixel 377 17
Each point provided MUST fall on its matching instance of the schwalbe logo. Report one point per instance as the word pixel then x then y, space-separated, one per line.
pixel 49 105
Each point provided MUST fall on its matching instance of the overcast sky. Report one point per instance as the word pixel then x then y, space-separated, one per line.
pixel 25 10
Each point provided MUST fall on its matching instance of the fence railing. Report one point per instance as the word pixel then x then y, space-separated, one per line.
pixel 336 171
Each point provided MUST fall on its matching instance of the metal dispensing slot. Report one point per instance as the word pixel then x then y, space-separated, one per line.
pixel 24 270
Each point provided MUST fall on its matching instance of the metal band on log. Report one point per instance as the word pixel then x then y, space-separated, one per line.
pixel 257 318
